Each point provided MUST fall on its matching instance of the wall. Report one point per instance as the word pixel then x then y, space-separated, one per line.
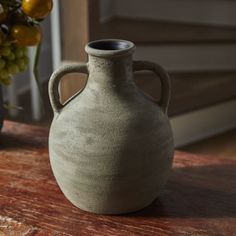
pixel 220 12
pixel 198 124
pixel 107 9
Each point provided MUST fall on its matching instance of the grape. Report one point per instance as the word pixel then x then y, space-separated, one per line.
pixel 19 52
pixel 21 64
pixel 13 69
pixel 26 60
pixel 11 56
pixel 5 51
pixel 2 63
pixel 25 50
pixel 7 44
pixel 4 73
pixel 13 59
pixel 6 81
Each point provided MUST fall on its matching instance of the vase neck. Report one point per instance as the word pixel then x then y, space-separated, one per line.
pixel 110 61
pixel 113 70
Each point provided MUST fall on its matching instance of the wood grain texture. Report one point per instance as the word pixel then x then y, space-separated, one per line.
pixel 199 198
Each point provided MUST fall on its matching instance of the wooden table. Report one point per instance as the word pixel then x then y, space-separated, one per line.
pixel 199 199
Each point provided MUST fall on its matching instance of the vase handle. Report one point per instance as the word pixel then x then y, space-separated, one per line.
pixel 55 80
pixel 164 77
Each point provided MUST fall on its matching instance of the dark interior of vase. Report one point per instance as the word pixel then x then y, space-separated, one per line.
pixel 109 45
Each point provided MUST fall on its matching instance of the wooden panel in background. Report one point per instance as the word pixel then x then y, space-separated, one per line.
pixel 192 90
pixel 145 31
pixel 80 24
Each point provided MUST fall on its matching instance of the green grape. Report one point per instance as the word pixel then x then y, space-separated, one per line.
pixel 11 57
pixel 25 50
pixel 2 81
pixel 6 44
pixel 26 60
pixel 12 60
pixel 13 69
pixel 2 63
pixel 4 74
pixel 21 64
pixel 6 81
pixel 19 52
pixel 5 51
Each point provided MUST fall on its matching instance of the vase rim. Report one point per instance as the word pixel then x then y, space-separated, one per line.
pixel 109 47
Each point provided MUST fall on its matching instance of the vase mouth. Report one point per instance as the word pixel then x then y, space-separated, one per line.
pixel 109 47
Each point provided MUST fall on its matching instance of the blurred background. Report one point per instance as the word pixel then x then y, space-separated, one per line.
pixel 194 40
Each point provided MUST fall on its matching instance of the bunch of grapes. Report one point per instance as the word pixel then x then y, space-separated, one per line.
pixel 13 59
pixel 19 28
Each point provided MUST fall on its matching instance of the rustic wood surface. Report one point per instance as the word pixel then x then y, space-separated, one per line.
pixel 199 199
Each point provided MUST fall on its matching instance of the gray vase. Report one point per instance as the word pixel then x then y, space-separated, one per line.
pixel 111 146
pixel 1 108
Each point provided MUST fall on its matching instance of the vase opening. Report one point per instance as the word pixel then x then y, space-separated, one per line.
pixel 109 47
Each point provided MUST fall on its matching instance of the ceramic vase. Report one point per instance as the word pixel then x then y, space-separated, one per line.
pixel 111 146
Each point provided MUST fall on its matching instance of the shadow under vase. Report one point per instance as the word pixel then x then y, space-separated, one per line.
pixel 196 192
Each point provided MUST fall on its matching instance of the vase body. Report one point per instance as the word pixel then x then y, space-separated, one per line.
pixel 111 147
pixel 1 108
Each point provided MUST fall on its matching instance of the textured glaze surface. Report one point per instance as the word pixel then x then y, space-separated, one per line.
pixel 111 147
pixel 198 200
